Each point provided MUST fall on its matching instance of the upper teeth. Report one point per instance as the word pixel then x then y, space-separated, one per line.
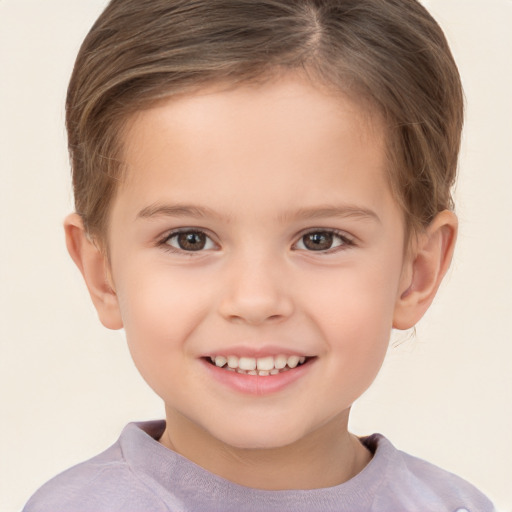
pixel 267 364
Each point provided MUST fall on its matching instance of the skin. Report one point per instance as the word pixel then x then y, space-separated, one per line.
pixel 255 169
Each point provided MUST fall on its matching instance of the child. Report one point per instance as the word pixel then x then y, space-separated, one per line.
pixel 262 193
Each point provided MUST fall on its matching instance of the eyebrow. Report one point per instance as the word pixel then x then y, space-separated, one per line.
pixel 318 212
pixel 175 210
pixel 341 211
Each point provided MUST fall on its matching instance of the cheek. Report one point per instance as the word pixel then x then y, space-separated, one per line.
pixel 155 297
pixel 159 311
pixel 357 334
pixel 356 299
pixel 356 317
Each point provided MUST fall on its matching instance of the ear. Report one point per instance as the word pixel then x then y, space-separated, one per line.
pixel 94 266
pixel 424 269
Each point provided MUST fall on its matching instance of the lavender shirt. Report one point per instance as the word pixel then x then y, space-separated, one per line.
pixel 138 474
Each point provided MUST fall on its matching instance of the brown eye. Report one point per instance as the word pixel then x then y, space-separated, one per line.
pixel 318 241
pixel 190 241
pixel 323 241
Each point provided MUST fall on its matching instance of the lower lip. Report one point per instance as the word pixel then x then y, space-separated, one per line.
pixel 256 384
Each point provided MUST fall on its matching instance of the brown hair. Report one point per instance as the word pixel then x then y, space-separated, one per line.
pixel 390 52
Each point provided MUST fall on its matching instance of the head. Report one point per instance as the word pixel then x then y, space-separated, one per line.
pixel 390 55
pixel 262 179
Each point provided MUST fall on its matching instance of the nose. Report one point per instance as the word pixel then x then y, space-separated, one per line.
pixel 256 291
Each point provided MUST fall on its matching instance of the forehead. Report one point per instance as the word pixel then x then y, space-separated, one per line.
pixel 291 97
pixel 302 140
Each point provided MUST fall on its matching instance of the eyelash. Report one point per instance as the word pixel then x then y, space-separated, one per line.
pixel 164 242
pixel 346 240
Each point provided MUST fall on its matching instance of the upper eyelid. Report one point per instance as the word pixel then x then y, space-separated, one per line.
pixel 334 231
pixel 162 242
pixel 173 232
pixel 348 242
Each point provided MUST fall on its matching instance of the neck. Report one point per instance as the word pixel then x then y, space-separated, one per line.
pixel 326 457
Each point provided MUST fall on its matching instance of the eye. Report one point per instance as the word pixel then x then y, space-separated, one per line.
pixel 189 241
pixel 323 240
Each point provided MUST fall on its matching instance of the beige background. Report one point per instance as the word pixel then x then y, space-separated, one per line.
pixel 67 385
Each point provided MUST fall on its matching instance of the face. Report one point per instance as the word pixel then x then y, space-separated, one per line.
pixel 257 255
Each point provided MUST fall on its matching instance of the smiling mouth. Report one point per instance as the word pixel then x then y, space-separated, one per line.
pixel 262 366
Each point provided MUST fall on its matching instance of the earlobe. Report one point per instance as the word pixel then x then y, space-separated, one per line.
pixel 425 269
pixel 93 264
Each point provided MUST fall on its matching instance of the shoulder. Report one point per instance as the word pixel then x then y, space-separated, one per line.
pixel 104 483
pixel 422 486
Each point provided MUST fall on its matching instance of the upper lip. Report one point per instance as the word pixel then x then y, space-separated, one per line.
pixel 257 352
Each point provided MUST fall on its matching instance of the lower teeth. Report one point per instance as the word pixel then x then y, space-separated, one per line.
pixel 261 373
